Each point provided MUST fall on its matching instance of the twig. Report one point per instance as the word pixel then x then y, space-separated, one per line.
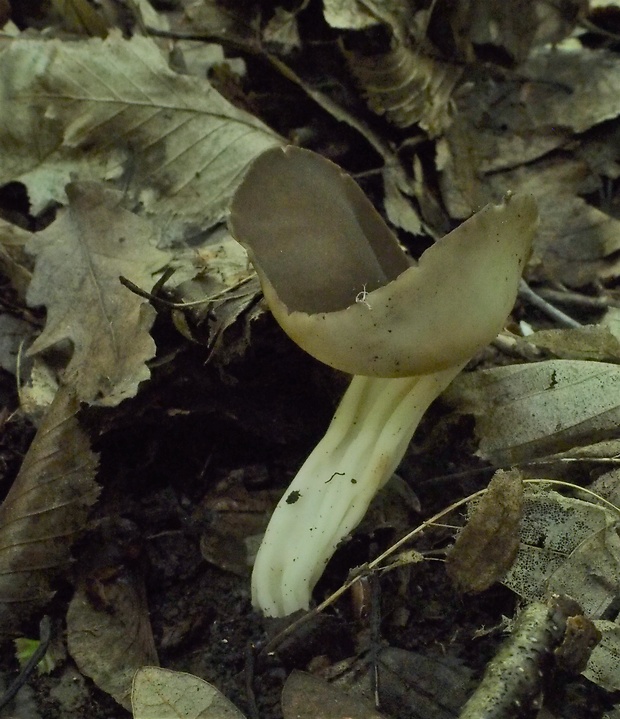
pixel 577 299
pixel 554 313
pixel 45 634
pixel 249 682
pixel 512 681
pixel 181 305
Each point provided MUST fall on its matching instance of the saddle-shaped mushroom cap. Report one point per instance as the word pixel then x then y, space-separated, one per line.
pixel 339 284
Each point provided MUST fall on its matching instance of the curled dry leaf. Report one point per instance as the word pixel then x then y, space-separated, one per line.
pixel 282 30
pixel 407 86
pixel 79 260
pixel 80 16
pixel 487 546
pixel 503 136
pixel 164 694
pixel 43 511
pixel 219 270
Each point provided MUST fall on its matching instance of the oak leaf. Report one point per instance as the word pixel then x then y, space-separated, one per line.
pixel 80 257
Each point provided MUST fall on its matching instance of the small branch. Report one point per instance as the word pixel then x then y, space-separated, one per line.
pixel 181 305
pixel 45 634
pixel 513 680
pixel 554 313
pixel 577 299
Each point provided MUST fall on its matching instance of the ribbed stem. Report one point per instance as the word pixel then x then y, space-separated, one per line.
pixel 362 447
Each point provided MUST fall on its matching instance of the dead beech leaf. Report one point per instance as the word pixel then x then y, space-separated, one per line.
pixel 80 257
pixel 102 109
pixel 44 509
pixel 308 697
pixel 110 643
pixel 164 694
pixel 532 410
pixel 573 86
pixel 486 547
pixel 576 242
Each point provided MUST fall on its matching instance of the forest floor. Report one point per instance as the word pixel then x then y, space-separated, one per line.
pixel 151 424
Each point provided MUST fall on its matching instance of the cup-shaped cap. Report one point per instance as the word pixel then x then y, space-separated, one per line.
pixel 341 287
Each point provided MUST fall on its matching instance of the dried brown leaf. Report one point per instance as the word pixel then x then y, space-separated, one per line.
pixel 429 685
pixel 512 27
pixel 45 508
pixel 488 544
pixel 164 694
pixel 604 665
pixel 533 410
pixel 79 260
pixel 503 137
pixel 362 14
pixel 109 644
pixel 308 697
pixel 567 546
pixel 13 259
pixel 591 574
pixel 101 109
pixel 590 342
pixel 282 30
pixel 576 243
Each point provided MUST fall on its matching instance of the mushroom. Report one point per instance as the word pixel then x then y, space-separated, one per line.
pixel 339 284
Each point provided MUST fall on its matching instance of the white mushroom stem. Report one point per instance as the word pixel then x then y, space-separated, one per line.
pixel 363 446
pixel 339 284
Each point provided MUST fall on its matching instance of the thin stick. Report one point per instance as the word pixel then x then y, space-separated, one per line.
pixel 560 317
pixel 45 634
pixel 182 305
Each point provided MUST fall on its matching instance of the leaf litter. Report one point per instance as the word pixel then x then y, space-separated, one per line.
pixel 79 259
pixel 128 167
pixel 46 507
